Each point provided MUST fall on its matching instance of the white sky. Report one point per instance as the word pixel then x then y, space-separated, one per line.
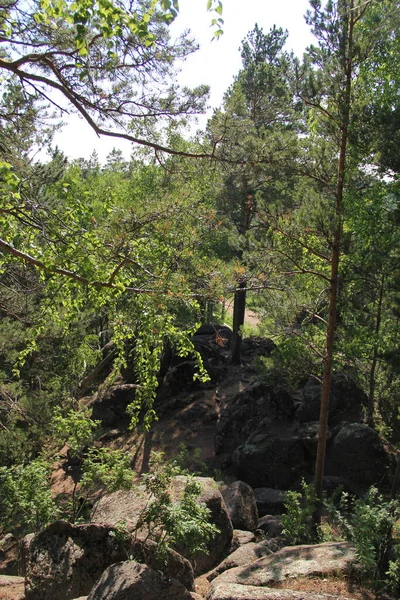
pixel 215 64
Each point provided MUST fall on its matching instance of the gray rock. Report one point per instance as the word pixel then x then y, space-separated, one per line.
pixel 270 459
pixel 292 562
pixel 346 401
pixel 269 501
pixel 239 538
pixel 65 560
pixel 9 555
pixel 233 591
pixel 130 579
pixel 309 436
pixel 241 505
pixel 271 525
pixel 110 406
pixel 128 506
pixel 120 506
pixel 358 455
pixel 250 411
pixel 244 555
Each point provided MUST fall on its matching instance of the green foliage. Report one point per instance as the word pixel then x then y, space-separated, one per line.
pixel 371 524
pixel 292 361
pixel 189 461
pixel 299 510
pixel 103 471
pixel 25 501
pixel 106 470
pixel 76 429
pixel 167 520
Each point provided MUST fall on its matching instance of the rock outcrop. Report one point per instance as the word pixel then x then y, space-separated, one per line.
pixel 130 579
pixel 65 560
pixel 291 562
pixel 241 505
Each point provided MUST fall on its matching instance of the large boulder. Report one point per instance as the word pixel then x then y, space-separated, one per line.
pixel 271 526
pixel 128 506
pixel 9 555
pixel 130 579
pixel 124 505
pixel 240 537
pixel 357 454
pixel 241 505
pixel 244 555
pixel 294 561
pixel 251 411
pixel 272 459
pixel 270 501
pixel 66 560
pixel 346 401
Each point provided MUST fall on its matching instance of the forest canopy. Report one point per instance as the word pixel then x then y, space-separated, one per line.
pixel 288 201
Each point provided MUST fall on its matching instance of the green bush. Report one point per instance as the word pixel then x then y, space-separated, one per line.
pixel 297 521
pixel 76 429
pixel 185 522
pixel 103 471
pixel 370 523
pixel 26 502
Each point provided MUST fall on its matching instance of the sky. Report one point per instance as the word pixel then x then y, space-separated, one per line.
pixel 215 64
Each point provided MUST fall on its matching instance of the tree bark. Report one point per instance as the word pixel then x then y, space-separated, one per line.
pixel 335 258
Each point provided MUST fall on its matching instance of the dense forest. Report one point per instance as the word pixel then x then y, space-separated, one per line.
pixel 287 204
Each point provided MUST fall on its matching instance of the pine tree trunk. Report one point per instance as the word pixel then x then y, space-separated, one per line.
pixel 239 301
pixel 335 258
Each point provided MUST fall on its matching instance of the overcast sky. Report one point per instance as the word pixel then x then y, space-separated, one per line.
pixel 215 64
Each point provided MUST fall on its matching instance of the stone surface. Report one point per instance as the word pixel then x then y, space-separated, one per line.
pixel 130 579
pixel 269 501
pixel 244 555
pixel 294 561
pixel 271 525
pixel 246 592
pixel 241 505
pixel 120 506
pixel 66 560
pixel 358 455
pixel 271 459
pixel 249 412
pixel 346 401
pixel 12 587
pixel 109 407
pixel 239 538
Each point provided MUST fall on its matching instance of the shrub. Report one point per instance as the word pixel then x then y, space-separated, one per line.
pixel 26 501
pixel 167 521
pixel 76 429
pixel 370 524
pixel 103 471
pixel 297 520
